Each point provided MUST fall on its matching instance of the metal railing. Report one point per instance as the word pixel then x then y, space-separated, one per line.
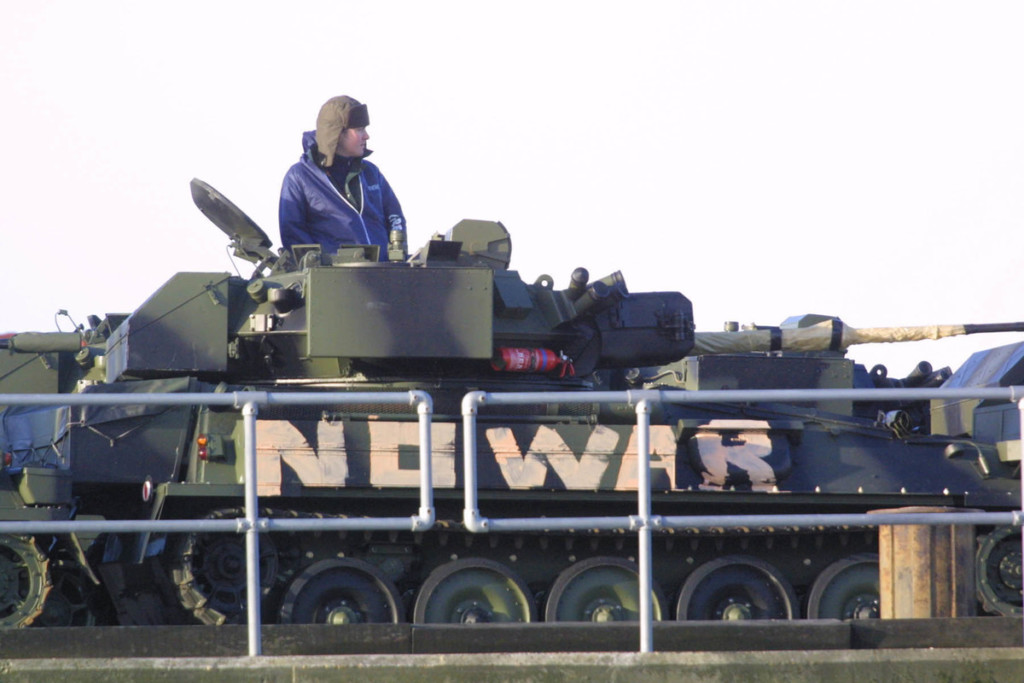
pixel 252 524
pixel 643 523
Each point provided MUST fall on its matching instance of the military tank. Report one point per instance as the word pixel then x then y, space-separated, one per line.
pixel 449 319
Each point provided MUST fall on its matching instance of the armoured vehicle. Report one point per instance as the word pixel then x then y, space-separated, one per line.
pixel 450 319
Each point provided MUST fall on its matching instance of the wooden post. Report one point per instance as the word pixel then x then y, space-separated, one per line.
pixel 926 571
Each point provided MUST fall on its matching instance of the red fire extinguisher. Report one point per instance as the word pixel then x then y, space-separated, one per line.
pixel 510 359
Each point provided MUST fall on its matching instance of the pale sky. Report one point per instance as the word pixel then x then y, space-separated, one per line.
pixel 767 159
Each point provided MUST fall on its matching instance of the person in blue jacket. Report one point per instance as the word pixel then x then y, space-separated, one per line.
pixel 333 196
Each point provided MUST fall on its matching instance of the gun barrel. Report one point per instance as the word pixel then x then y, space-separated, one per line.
pixel 993 327
pixel 832 335
pixel 42 342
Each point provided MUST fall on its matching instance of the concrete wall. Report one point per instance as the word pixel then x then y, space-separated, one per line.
pixel 835 666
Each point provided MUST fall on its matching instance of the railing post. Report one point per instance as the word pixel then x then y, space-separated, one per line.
pixel 425 409
pixel 1020 470
pixel 471 511
pixel 252 533
pixel 643 425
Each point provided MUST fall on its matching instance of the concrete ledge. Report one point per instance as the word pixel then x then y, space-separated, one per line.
pixel 625 637
pixel 939 633
pixel 406 639
pixel 842 666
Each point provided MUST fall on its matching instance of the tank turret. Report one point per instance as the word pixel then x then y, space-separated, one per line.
pixel 452 308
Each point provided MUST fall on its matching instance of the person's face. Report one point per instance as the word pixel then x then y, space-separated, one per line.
pixel 352 142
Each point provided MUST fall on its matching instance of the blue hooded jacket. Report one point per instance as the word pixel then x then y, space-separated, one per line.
pixel 312 211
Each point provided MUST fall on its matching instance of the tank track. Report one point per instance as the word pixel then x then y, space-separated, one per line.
pixel 450 575
pixel 24 581
pixel 446 573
